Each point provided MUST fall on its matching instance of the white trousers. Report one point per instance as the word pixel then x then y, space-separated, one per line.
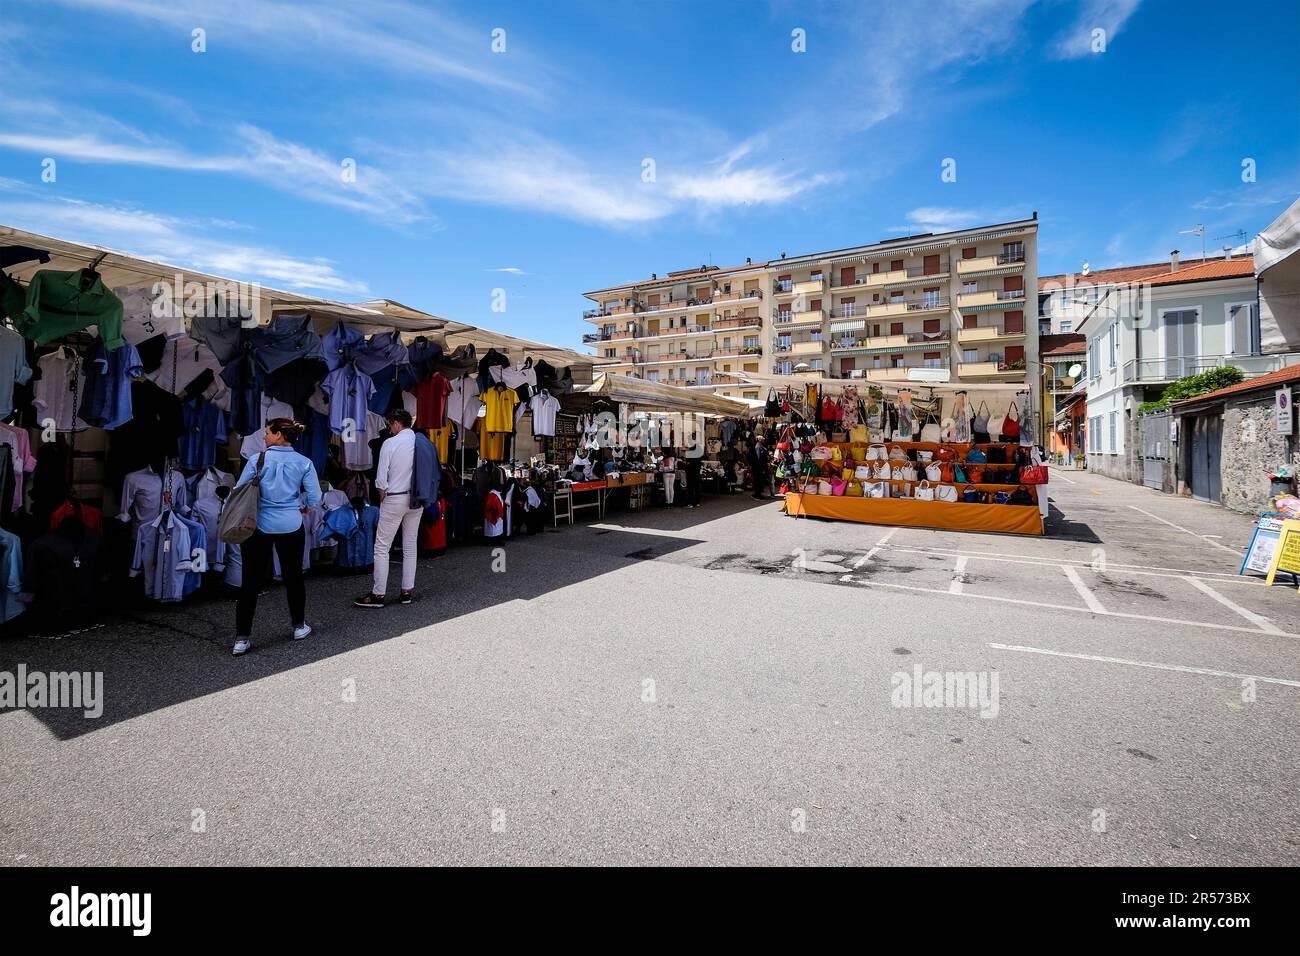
pixel 670 485
pixel 394 510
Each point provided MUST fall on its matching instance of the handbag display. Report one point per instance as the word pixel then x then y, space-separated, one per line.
pixel 239 516
pixel 824 487
pixel 877 489
pixel 822 453
pixel 931 433
pixel 980 423
pixel 945 493
pixel 1001 497
pixel 976 455
pixel 924 491
pixel 1011 424
pixel 971 496
pixel 859 434
pixel 877 453
pixel 958 474
pixel 897 453
pixel 905 472
pixel 773 407
pixel 838 485
pixel 854 490
pixel 1021 496
pixel 975 474
pixel 933 472
pixel 945 454
pixel 863 472
pixel 1033 475
pixel 884 470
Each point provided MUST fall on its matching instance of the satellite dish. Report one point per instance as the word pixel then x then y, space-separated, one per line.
pixel 1087 267
pixel 1076 370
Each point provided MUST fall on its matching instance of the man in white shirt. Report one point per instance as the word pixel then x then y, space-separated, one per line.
pixel 393 479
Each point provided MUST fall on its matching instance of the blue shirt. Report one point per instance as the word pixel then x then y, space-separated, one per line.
pixel 426 473
pixel 286 339
pixel 349 393
pixel 205 427
pixel 13 368
pixel 355 531
pixel 285 476
pixel 107 400
pixel 341 345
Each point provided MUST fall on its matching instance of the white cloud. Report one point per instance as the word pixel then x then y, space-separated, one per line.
pixel 942 219
pixel 513 270
pixel 1076 41
pixel 186 243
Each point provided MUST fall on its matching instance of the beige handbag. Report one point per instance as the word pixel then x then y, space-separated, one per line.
pixel 877 453
pixel 824 487
pixel 945 493
pixel 933 472
pixel 925 491
pixel 862 471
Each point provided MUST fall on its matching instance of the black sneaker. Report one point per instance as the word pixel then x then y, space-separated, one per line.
pixel 407 597
pixel 370 600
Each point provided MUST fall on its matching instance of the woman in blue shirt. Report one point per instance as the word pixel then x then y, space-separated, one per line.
pixel 284 477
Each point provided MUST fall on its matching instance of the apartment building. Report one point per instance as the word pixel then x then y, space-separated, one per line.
pixel 937 307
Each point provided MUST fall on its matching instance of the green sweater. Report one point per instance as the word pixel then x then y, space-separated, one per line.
pixel 61 302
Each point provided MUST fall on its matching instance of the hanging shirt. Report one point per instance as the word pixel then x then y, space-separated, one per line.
pixel 513 376
pixel 544 407
pixel 255 442
pixel 162 555
pixel 11 576
pixel 24 463
pixel 500 402
pixel 199 560
pixel 426 473
pixel 62 302
pixel 59 388
pixel 431 401
pixel 183 361
pixel 142 496
pixel 287 338
pixel 206 509
pixel 220 331
pixel 349 392
pixel 357 454
pixel 14 369
pixel 146 314
pixel 285 476
pixel 106 401
pixel 355 532
pixel 463 402
pixel 340 346
pixel 494 510
pixel 381 351
pixel 92 519
pixel 205 428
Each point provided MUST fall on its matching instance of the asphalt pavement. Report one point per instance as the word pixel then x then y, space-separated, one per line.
pixel 718 685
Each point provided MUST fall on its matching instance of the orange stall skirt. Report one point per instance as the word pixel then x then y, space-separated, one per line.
pixel 908 512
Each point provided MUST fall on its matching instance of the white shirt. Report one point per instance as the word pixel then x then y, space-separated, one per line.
pixel 514 375
pixel 145 315
pixel 463 402
pixel 396 462
pixel 544 406
pixel 142 494
pixel 52 394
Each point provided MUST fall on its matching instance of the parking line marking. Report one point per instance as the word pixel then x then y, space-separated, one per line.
pixel 1187 530
pixel 872 553
pixel 1229 577
pixel 1089 598
pixel 1258 620
pixel 850 579
pixel 958 576
pixel 1151 664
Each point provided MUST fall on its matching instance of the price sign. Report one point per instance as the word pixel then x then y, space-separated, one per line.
pixel 1286 556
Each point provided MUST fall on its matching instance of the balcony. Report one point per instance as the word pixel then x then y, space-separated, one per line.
pixel 878 280
pixel 888 374
pixel 787 320
pixel 737 296
pixel 747 320
pixel 807 348
pixel 810 286
pixel 989 333
pixel 1158 371
pixel 926 303
pixel 596 314
pixel 783 287
pixel 906 341
pixel 998 371
pixel 991 299
pixel 670 306
pixel 632 309
pixel 1005 262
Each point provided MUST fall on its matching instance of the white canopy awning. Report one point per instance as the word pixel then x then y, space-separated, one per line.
pixel 643 394
pixel 1277 266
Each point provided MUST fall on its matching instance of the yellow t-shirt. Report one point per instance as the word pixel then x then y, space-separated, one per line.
pixel 441 438
pixel 491 445
pixel 500 404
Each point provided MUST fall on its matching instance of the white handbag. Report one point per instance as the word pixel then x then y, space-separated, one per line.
pixel 883 470
pixel 824 487
pixel 862 471
pixel 897 453
pixel 945 493
pixel 906 472
pixel 924 455
pixel 877 489
pixel 933 472
pixel 932 433
pixel 877 453
pixel 822 453
pixel 924 491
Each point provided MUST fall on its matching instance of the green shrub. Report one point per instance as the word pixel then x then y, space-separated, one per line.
pixel 1193 385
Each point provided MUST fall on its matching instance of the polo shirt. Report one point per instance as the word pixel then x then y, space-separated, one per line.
pixel 500 402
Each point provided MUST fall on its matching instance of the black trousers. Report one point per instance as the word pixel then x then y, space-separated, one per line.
pixel 692 481
pixel 256 555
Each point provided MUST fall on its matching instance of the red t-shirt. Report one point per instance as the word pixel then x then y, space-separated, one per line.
pixel 431 401
pixel 91 517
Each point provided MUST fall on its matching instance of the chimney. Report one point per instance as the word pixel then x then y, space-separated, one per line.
pixel 1227 252
pixel 1173 261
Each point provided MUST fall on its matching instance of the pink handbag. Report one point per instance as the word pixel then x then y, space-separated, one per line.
pixel 838 485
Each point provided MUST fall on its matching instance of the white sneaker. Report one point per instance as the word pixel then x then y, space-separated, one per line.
pixel 242 644
pixel 301 631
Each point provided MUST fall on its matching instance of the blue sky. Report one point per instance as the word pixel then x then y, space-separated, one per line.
pixel 523 169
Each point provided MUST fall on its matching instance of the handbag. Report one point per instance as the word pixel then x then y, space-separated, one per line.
pixel 239 516
pixel 824 487
pixel 996 455
pixel 863 472
pixel 924 491
pixel 976 455
pixel 877 453
pixel 877 489
pixel 931 433
pixel 897 453
pixel 1001 497
pixel 1011 424
pixel 980 423
pixel 975 475
pixel 1033 475
pixel 773 407
pixel 905 473
pixel 1021 496
pixel 854 490
pixel 838 485
pixel 945 454
pixel 859 434
pixel 958 474
pixel 970 496
pixel 933 472
pixel 924 454
pixel 884 470
pixel 712 446
pixel 822 453
pixel 945 493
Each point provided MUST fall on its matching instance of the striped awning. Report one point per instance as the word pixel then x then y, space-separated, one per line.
pixel 853 326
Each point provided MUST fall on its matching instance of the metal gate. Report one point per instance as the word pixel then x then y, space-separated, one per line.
pixel 1207 440
pixel 1155 448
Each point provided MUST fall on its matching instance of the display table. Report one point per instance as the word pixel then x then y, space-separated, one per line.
pixel 568 498
pixel 909 512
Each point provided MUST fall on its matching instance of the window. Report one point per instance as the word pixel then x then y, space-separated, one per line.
pixel 1114 431
pixel 970 286
pixel 1240 333
pixel 609 353
pixel 783 340
pixel 1114 343
pixel 970 355
pixel 751 341
pixel 1066 326
pixel 896 361
pixel 815 363
pixel 652 375
pixel 1013 252
pixel 930 298
pixel 931 360
pixel 895 328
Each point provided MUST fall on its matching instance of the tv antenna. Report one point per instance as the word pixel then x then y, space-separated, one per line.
pixel 1198 231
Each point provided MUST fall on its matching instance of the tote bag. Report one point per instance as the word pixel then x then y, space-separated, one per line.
pixel 925 491
pixel 773 407
pixel 1011 424
pixel 945 493
pixel 239 516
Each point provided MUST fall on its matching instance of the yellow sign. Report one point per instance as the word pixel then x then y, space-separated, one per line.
pixel 1286 556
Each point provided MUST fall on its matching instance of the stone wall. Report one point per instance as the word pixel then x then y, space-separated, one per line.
pixel 1251 449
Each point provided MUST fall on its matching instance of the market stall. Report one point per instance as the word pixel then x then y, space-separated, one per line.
pixel 133 392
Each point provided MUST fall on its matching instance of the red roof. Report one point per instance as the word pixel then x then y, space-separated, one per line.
pixel 1154 273
pixel 1067 343
pixel 1214 269
pixel 1282 376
